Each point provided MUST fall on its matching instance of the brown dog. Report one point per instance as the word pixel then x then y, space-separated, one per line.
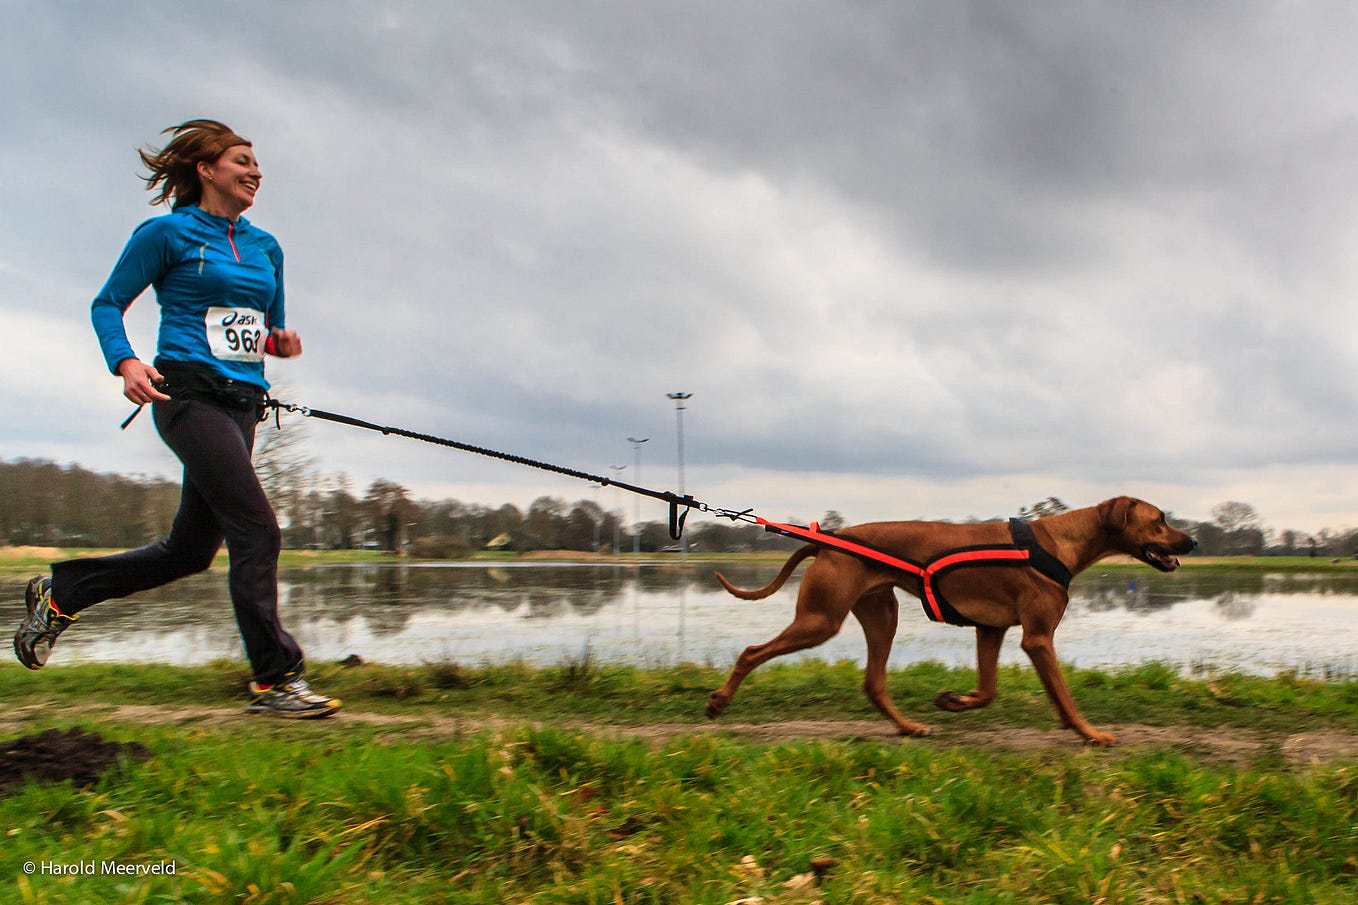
pixel 992 599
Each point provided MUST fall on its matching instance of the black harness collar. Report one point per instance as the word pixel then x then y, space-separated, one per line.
pixel 1038 557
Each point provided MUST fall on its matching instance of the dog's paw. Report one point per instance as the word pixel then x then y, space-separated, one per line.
pixel 715 707
pixel 1101 740
pixel 914 730
pixel 950 701
pixel 956 702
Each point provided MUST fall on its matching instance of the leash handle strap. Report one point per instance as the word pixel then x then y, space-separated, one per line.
pixel 135 412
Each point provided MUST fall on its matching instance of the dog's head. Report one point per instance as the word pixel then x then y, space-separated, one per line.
pixel 1139 529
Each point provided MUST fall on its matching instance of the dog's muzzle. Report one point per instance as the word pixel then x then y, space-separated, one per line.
pixel 1163 558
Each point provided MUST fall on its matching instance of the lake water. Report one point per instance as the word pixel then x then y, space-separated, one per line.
pixel 658 615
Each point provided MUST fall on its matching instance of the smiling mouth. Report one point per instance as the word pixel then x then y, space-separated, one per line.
pixel 1159 557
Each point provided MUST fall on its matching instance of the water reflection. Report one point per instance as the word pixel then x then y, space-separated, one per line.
pixel 658 614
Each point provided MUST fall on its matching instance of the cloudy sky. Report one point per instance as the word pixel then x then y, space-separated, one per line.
pixel 911 259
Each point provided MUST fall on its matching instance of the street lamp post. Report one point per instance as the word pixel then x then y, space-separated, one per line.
pixel 597 510
pixel 636 500
pixel 617 504
pixel 679 419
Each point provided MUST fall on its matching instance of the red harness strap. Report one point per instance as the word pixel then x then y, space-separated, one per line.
pixel 935 606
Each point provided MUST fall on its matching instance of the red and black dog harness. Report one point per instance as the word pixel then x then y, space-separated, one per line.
pixel 1024 551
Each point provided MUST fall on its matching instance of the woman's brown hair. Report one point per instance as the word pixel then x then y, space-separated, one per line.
pixel 174 168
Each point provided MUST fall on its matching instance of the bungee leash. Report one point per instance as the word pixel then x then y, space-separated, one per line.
pixel 1025 550
pixel 675 501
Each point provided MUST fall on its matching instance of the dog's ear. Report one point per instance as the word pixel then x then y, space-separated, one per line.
pixel 1113 514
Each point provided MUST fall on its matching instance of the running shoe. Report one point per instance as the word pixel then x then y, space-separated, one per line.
pixel 291 699
pixel 38 632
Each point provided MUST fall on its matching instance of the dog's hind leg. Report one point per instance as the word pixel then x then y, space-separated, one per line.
pixel 820 613
pixel 797 636
pixel 877 612
pixel 988 641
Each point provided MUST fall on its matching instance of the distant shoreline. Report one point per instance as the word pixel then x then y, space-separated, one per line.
pixel 14 560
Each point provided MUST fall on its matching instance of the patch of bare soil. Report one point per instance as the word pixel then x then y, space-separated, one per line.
pixel 1237 747
pixel 54 756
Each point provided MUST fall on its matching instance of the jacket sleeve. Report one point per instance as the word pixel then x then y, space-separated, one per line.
pixel 143 261
pixel 276 316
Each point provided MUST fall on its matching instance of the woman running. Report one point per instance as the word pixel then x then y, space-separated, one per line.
pixel 219 283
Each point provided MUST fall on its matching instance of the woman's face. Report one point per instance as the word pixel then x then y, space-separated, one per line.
pixel 230 181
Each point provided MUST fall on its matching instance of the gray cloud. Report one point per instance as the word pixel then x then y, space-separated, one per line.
pixel 957 249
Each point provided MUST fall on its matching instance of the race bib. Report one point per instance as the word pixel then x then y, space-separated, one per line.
pixel 236 334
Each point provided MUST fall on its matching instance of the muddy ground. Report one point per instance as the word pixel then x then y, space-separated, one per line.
pixel 55 755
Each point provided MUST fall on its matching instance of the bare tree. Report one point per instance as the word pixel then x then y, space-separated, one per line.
pixel 1240 526
pixel 389 510
pixel 1233 516
pixel 1050 506
pixel 282 461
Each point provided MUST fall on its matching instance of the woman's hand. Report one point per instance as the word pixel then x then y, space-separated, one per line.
pixel 138 379
pixel 286 343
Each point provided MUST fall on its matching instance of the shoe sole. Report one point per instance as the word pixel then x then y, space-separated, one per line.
pixel 32 596
pixel 35 665
pixel 301 715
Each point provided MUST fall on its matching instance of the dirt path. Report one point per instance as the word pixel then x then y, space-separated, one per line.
pixel 1239 747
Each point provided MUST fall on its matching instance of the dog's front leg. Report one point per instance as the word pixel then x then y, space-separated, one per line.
pixel 988 641
pixel 1037 644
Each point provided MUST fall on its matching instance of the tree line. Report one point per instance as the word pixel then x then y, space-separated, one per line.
pixel 47 504
pixel 44 503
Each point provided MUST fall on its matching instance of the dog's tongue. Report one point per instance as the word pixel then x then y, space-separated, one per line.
pixel 1167 560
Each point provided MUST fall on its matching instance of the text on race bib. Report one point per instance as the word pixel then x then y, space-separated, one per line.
pixel 236 334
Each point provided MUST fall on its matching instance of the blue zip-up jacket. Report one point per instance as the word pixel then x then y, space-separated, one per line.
pixel 219 284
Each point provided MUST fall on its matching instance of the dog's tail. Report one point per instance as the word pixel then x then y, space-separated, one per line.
pixel 792 563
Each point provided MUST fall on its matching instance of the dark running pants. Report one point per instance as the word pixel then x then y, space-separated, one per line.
pixel 222 500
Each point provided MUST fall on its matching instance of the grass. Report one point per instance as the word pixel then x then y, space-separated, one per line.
pixel 290 814
pixel 584 690
pixel 547 811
